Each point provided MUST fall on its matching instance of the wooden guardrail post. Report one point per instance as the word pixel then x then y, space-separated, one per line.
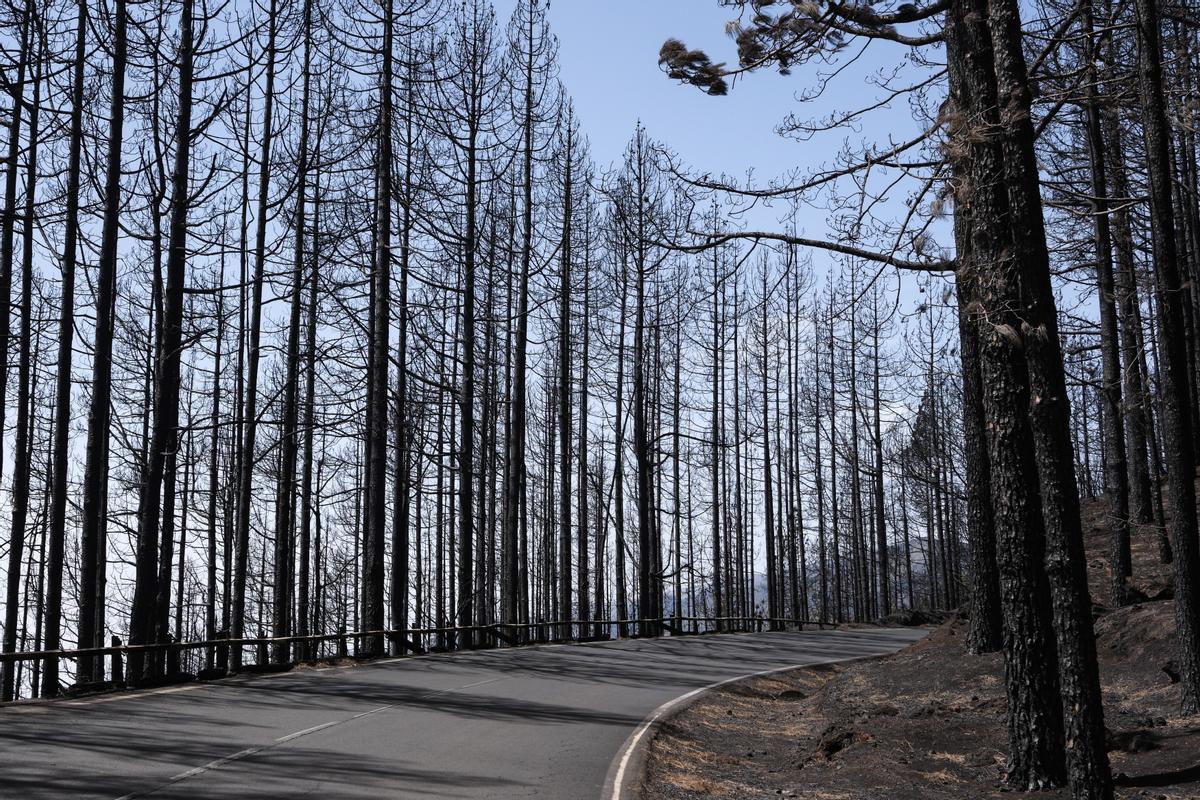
pixel 118 665
pixel 223 652
pixel 173 660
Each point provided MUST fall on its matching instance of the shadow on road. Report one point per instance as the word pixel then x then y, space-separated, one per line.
pixel 462 724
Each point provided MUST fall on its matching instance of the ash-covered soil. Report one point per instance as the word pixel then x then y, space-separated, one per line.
pixel 928 723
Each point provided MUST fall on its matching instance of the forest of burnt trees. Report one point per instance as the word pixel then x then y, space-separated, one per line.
pixel 322 320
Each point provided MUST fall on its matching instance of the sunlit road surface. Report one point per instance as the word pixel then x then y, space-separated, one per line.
pixel 532 722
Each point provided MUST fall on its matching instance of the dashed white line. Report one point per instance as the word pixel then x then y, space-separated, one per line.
pixel 305 732
pixel 250 751
pixel 196 771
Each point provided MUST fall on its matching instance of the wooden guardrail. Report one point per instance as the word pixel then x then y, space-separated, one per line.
pixel 409 640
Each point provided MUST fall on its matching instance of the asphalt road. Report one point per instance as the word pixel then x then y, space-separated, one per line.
pixel 534 722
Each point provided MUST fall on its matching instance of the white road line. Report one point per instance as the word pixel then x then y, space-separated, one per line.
pixel 250 751
pixel 195 771
pixel 304 732
pixel 632 742
pixel 615 788
pixel 150 693
pixel 460 688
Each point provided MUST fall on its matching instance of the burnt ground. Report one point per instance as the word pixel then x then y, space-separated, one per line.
pixel 928 723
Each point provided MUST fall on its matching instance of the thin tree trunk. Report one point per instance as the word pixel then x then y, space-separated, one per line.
pixel 285 496
pixel 377 374
pixel 94 534
pixel 564 384
pixel 166 395
pixel 23 447
pixel 247 458
pixel 1116 477
pixel 66 337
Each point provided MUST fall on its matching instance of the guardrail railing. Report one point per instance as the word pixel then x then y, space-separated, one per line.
pixel 284 651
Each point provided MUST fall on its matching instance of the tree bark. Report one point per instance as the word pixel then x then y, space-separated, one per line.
pixel 94 534
pixel 1173 378
pixel 166 378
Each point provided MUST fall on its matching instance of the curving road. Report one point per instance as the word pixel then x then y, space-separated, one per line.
pixel 533 722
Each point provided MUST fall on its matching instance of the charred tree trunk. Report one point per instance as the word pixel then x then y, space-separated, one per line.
pixel 23 450
pixel 95 475
pixel 377 374
pixel 247 458
pixel 1035 726
pixel 57 534
pixel 166 377
pixel 1173 378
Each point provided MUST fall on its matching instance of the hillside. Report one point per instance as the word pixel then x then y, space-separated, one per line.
pixel 928 723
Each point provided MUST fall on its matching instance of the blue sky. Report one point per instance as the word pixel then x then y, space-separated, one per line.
pixel 609 64
pixel 609 61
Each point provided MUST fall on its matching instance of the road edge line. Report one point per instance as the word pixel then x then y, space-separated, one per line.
pixel 623 780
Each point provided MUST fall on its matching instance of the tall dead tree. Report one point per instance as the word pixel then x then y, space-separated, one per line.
pixel 165 425
pixel 1175 399
pixel 377 373
pixel 22 441
pixel 66 336
pixel 94 533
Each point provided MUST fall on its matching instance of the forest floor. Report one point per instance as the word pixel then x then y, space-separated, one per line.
pixel 928 722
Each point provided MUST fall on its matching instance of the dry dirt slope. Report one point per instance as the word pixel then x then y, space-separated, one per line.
pixel 928 723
